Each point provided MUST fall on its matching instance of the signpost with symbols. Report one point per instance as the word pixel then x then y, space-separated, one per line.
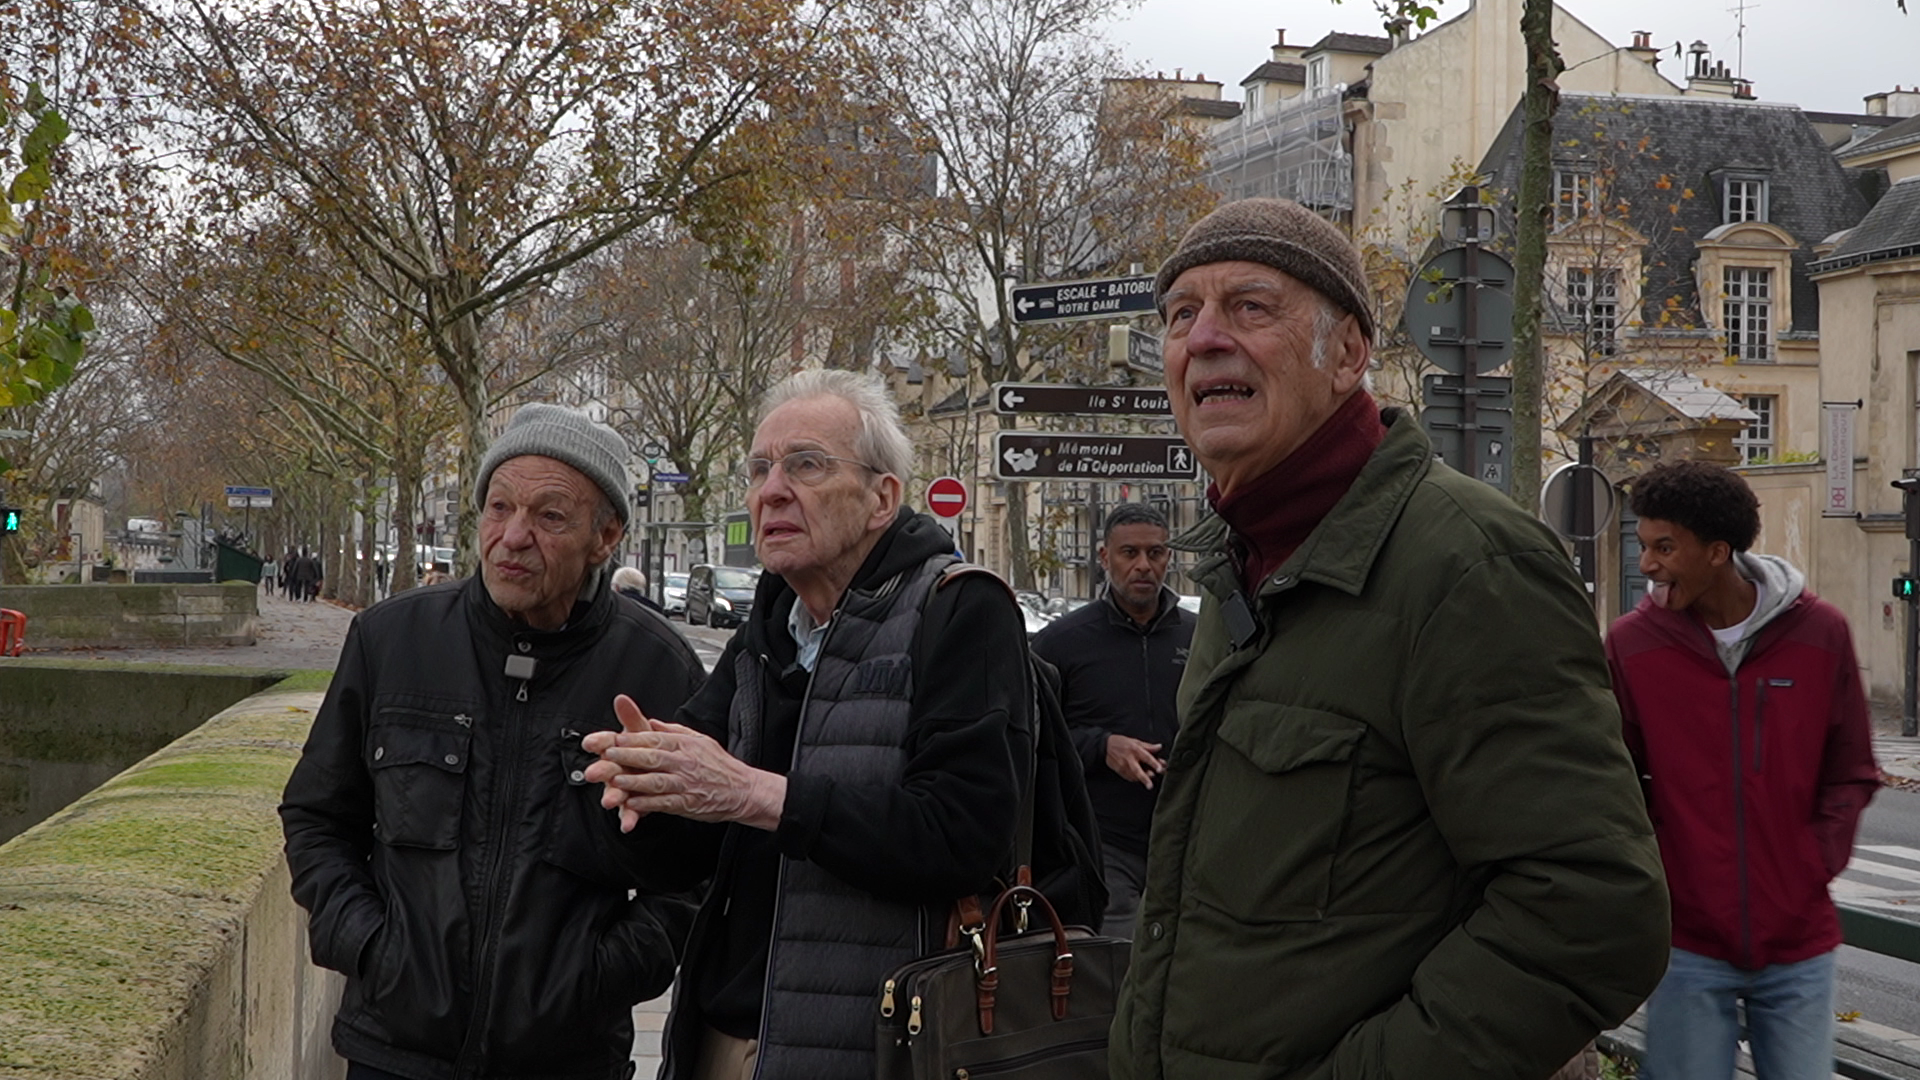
pixel 1028 455
pixel 1444 415
pixel 1072 301
pixel 1013 399
pixel 947 497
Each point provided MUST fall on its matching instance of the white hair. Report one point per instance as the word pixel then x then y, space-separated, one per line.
pixel 882 441
pixel 628 577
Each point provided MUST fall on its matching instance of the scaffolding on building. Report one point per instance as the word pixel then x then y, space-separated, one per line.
pixel 1294 149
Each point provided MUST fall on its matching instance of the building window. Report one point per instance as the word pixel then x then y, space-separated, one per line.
pixel 1572 195
pixel 1755 442
pixel 1748 312
pixel 1318 72
pixel 1746 199
pixel 1593 302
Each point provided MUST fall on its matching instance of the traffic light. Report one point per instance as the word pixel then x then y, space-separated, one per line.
pixel 1905 587
pixel 9 520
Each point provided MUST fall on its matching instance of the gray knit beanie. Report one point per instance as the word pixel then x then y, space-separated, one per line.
pixel 596 450
pixel 1284 235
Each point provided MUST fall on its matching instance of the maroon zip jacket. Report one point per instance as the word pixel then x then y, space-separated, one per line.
pixel 1755 782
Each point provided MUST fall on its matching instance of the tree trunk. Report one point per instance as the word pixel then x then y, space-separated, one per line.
pixel 1534 214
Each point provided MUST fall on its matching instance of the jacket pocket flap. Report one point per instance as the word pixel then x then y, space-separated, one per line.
pixel 1278 738
pixel 405 744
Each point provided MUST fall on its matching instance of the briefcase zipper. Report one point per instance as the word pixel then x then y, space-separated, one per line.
pixel 1015 1064
pixel 886 999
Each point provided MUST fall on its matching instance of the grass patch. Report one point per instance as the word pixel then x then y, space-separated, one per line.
pixel 313 680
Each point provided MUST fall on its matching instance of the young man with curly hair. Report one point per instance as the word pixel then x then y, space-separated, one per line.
pixel 1745 714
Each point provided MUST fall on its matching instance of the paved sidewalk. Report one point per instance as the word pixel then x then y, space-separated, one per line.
pixel 649 1018
pixel 289 637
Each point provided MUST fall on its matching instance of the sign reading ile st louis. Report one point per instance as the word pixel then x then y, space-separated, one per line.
pixel 1013 399
pixel 1031 455
pixel 1097 298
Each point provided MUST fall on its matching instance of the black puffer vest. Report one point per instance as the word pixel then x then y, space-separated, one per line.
pixel 833 944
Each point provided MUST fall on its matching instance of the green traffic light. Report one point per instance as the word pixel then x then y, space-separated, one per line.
pixel 11 522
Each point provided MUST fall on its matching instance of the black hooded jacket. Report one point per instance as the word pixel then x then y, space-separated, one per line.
pixel 456 865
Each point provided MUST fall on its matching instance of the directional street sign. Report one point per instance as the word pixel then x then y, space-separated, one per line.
pixel 13 433
pixel 671 477
pixel 1069 301
pixel 248 497
pixel 1136 349
pixel 1013 399
pixel 947 497
pixel 1032 455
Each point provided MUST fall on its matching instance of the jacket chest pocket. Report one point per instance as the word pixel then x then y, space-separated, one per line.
pixel 418 759
pixel 1273 807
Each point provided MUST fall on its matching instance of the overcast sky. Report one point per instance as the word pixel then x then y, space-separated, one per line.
pixel 1823 55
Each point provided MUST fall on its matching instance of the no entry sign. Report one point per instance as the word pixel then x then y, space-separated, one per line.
pixel 947 497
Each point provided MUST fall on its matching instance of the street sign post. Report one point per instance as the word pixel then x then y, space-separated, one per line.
pixel 1030 455
pixel 1443 413
pixel 249 497
pixel 947 497
pixel 1014 399
pixel 672 477
pixel 1072 301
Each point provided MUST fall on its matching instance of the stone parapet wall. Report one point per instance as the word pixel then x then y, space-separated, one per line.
pixel 147 932
pixel 135 616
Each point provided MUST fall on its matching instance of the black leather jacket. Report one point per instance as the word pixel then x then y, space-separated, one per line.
pixel 455 864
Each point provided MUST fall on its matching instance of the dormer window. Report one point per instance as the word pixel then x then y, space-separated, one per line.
pixel 1319 75
pixel 1743 196
pixel 1572 194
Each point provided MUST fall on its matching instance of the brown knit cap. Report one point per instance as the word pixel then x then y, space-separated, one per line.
pixel 1284 235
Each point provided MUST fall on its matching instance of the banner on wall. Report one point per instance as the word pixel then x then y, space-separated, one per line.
pixel 1837 451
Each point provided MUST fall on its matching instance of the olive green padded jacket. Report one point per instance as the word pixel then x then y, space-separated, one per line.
pixel 1399 835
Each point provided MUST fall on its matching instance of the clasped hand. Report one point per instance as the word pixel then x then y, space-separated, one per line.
pixel 651 766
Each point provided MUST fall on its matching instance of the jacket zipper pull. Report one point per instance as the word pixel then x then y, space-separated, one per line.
pixel 886 999
pixel 522 696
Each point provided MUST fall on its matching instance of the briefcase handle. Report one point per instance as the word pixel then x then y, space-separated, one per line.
pixel 987 978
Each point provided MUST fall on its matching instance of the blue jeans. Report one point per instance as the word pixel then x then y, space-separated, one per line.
pixel 1692 1024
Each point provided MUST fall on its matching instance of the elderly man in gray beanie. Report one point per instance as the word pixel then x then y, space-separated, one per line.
pixel 1398 834
pixel 490 916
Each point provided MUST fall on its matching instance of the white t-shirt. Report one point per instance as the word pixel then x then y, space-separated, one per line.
pixel 1733 635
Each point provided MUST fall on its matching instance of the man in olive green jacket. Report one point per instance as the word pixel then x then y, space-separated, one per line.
pixel 1399 835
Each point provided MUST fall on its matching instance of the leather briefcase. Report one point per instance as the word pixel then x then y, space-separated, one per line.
pixel 1028 1006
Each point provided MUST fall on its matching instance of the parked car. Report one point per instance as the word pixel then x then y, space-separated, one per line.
pixel 721 595
pixel 676 594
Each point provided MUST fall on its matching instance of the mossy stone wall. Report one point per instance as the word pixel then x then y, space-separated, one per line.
pixel 131 616
pixel 147 932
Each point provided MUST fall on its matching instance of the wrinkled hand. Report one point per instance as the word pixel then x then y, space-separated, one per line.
pixel 651 766
pixel 1134 760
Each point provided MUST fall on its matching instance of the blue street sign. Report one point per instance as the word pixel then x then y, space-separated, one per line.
pixel 672 477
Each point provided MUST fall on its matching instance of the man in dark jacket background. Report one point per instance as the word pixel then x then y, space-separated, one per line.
pixel 861 743
pixel 1743 708
pixel 455 863
pixel 1120 660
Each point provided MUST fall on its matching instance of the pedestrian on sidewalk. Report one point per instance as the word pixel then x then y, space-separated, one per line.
pixel 1120 660
pixel 1743 708
pixel 454 862
pixel 1398 834
pixel 268 571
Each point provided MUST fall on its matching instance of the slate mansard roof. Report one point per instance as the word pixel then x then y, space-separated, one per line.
pixel 1686 141
pixel 1891 230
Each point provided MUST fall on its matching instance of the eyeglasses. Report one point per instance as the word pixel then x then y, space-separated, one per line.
pixel 807 467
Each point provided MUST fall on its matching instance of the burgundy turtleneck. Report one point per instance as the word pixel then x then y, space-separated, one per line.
pixel 1273 514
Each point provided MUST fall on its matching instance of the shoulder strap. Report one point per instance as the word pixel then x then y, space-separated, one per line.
pixel 968 915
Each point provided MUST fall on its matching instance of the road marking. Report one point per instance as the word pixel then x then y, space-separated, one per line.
pixel 1848 889
pixel 1883 870
pixel 1895 850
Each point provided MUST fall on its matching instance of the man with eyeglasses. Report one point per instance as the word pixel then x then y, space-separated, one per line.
pixel 456 864
pixel 856 751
